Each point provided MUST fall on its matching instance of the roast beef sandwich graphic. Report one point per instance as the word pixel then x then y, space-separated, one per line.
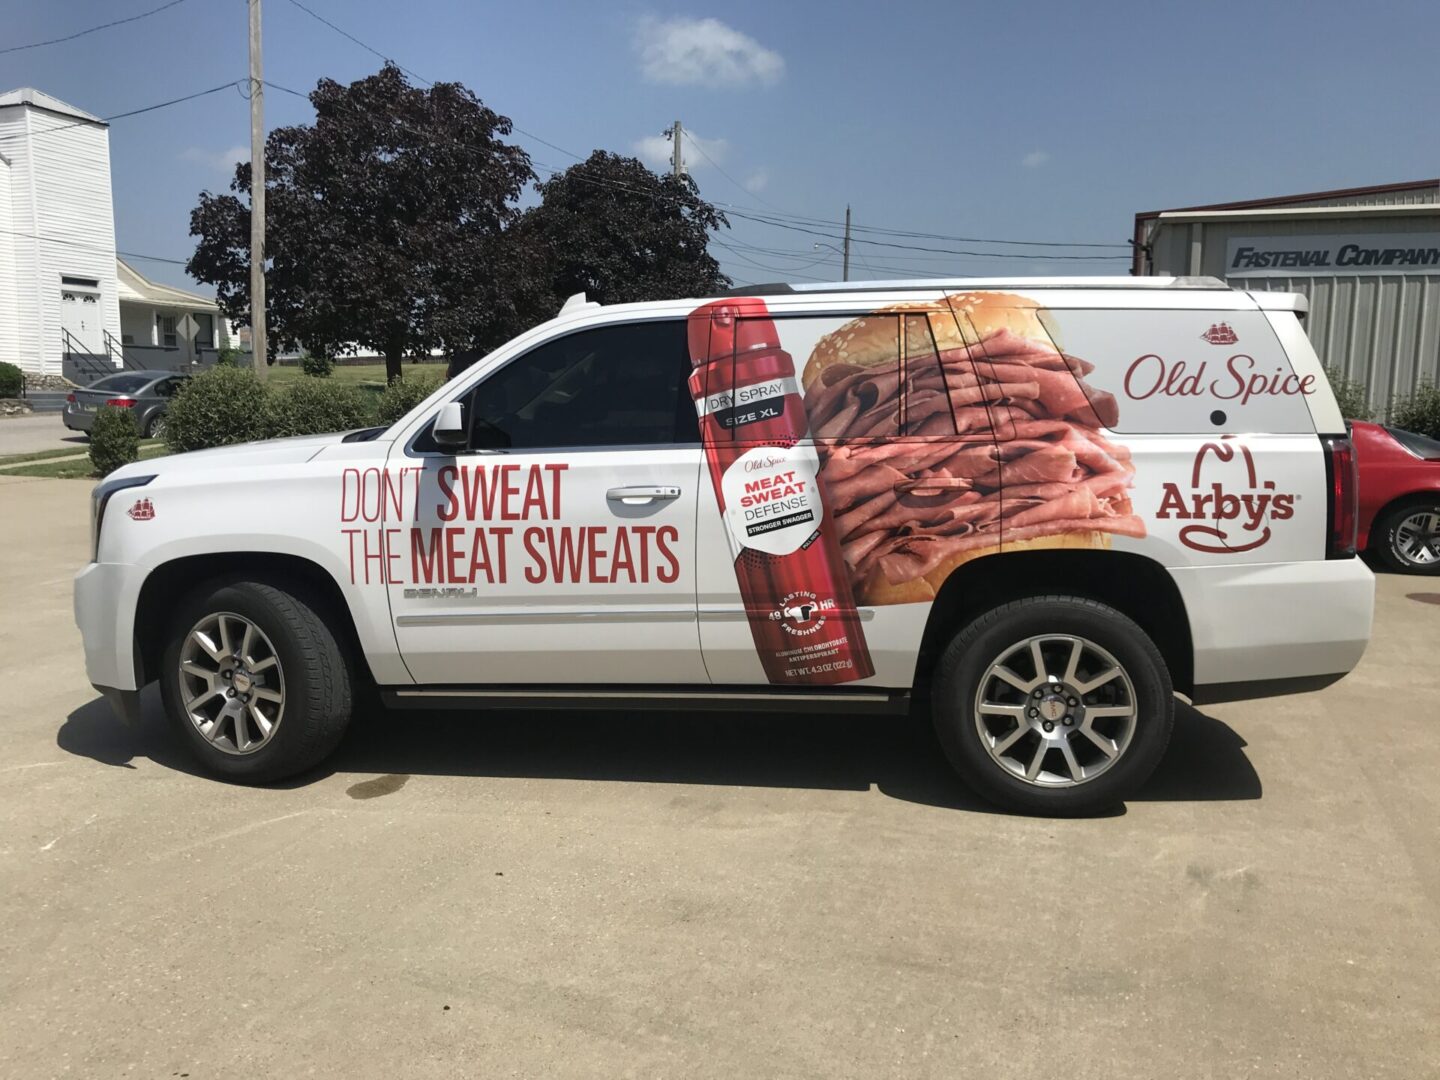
pixel 916 495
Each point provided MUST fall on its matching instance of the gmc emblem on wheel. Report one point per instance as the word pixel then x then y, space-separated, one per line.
pixel 1251 509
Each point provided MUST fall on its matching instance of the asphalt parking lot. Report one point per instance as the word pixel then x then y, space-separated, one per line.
pixel 604 895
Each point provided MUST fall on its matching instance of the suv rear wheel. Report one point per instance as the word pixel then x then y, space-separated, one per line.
pixel 254 681
pixel 1053 704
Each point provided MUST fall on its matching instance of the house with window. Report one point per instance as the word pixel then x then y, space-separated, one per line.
pixel 153 329
pixel 68 305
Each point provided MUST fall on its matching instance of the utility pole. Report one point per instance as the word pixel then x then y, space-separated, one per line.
pixel 258 351
pixel 847 242
pixel 677 163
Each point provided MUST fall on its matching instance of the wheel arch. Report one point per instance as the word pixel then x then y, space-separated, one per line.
pixel 1418 495
pixel 170 581
pixel 1138 587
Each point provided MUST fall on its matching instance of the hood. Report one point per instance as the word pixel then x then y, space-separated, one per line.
pixel 250 455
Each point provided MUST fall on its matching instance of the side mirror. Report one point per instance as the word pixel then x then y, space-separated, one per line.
pixel 449 428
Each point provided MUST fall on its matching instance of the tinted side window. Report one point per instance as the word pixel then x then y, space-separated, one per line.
pixel 611 386
pixel 849 369
pixel 927 401
pixel 120 384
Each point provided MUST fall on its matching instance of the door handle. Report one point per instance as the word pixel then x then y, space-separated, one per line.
pixel 639 496
pixel 933 485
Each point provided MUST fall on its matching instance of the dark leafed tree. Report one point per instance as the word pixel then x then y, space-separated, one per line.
pixel 385 221
pixel 611 228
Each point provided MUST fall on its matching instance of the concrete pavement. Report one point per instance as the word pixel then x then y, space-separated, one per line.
pixel 38 431
pixel 603 895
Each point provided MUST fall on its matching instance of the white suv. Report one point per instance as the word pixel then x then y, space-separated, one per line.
pixel 1048 506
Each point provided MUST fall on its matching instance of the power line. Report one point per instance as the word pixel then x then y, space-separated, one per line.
pixel 174 101
pixel 720 169
pixel 770 219
pixel 92 29
pixel 368 48
pixel 915 247
pixel 148 108
pixel 777 211
pixel 414 74
pixel 91 247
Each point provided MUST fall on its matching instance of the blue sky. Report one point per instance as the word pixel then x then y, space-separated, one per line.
pixel 1041 121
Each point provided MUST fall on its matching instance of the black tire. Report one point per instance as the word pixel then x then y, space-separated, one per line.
pixel 156 423
pixel 317 679
pixel 991 637
pixel 1388 545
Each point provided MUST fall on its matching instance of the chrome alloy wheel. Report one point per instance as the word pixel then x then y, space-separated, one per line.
pixel 231 683
pixel 1417 538
pixel 1055 710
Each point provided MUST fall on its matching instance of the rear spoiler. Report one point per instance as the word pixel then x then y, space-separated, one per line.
pixel 1282 301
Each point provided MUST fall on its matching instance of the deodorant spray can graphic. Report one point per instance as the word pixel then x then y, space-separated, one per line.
pixel 793 580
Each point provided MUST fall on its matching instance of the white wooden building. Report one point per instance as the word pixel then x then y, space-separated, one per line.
pixel 66 304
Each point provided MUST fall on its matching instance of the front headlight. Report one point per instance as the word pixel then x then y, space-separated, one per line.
pixel 99 497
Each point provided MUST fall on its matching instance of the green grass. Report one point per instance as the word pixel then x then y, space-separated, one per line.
pixel 77 469
pixel 42 455
pixel 365 376
pixel 80 468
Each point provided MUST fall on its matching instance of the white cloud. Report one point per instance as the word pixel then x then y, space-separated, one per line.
pixel 706 52
pixel 1035 158
pixel 220 160
pixel 654 150
pixel 758 180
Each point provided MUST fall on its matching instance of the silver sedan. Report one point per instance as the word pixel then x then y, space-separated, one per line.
pixel 146 393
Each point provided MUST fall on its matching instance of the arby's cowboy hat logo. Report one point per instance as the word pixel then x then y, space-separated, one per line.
pixel 1237 515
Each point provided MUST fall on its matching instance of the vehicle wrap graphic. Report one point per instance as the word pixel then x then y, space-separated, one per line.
pixel 1237 514
pixel 793 581
pixel 906 404
pixel 495 523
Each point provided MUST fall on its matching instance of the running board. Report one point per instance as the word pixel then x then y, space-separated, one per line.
pixel 703 698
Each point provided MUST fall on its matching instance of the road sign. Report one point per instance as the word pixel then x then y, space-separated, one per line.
pixel 187 327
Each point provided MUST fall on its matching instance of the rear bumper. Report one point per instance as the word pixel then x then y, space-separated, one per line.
pixel 1266 624
pixel 77 419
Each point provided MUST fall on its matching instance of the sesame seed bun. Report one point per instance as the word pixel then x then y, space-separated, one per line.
pixel 872 341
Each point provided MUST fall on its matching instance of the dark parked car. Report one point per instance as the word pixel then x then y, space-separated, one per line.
pixel 1399 497
pixel 146 393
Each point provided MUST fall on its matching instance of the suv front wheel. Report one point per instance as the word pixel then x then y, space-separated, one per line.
pixel 1053 705
pixel 254 681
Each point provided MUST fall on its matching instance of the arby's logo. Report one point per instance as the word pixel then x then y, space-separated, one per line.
pixel 1236 516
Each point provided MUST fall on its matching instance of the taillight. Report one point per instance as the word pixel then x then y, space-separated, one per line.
pixel 122 402
pixel 70 398
pixel 1342 493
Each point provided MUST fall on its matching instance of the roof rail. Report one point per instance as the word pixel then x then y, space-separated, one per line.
pixel 782 288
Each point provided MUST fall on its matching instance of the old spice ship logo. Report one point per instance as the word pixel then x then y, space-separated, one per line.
pixel 1220 334
pixel 1239 518
pixel 143 510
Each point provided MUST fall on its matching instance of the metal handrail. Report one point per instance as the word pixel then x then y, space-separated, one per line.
pixel 71 347
pixel 114 349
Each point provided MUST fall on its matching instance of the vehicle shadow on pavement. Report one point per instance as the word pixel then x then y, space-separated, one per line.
pixel 899 756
